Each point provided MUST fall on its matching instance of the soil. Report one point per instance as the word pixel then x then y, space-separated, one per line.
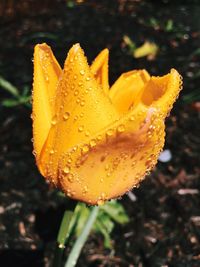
pixel 164 227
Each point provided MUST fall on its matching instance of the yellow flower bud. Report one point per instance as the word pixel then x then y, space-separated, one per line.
pixel 95 142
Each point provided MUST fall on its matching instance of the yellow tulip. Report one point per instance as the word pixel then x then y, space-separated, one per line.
pixel 92 141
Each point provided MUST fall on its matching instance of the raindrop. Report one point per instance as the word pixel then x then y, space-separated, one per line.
pixel 34 153
pixel 69 161
pixel 82 103
pixel 51 152
pixel 121 128
pixel 76 92
pixel 100 202
pixel 66 116
pixel 87 133
pixel 54 120
pixel 70 177
pixel 66 170
pixel 85 189
pixel 82 72
pixel 93 143
pixel 80 128
pixel 85 149
pixel 110 132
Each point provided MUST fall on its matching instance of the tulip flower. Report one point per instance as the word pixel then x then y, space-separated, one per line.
pixel 93 141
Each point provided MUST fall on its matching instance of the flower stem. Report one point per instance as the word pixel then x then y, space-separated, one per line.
pixel 62 236
pixel 79 243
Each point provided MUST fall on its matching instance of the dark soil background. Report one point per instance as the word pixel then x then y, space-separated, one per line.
pixel 164 228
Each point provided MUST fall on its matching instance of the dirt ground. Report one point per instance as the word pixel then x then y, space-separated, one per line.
pixel 164 227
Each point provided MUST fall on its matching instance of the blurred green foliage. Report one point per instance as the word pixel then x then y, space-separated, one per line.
pixel 16 98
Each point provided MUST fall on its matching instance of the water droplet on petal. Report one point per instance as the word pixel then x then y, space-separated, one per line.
pixel 85 149
pixel 110 132
pixel 85 189
pixel 82 103
pixel 100 202
pixel 121 128
pixel 54 120
pixel 66 116
pixel 82 72
pixel 51 152
pixel 80 128
pixel 87 133
pixel 93 143
pixel 76 92
pixel 70 177
pixel 66 170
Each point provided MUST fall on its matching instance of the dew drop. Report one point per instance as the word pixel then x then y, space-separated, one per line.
pixel 54 120
pixel 85 189
pixel 110 132
pixel 106 167
pixel 82 72
pixel 34 153
pixel 82 103
pixel 70 177
pixel 87 133
pixel 76 92
pixel 80 128
pixel 51 152
pixel 121 128
pixel 99 137
pixel 85 149
pixel 69 161
pixel 100 202
pixel 66 170
pixel 66 116
pixel 93 143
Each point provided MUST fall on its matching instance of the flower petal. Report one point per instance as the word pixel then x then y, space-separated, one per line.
pixel 82 109
pixel 99 68
pixel 46 75
pixel 161 92
pixel 117 158
pixel 127 90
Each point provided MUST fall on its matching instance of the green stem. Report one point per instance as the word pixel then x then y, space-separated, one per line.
pixel 78 245
pixel 62 236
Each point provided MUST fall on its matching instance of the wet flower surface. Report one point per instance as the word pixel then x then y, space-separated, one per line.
pixel 92 141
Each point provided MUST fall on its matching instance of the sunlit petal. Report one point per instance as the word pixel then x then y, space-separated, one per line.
pixel 99 68
pixel 46 75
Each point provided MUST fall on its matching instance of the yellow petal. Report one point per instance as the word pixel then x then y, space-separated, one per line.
pixel 127 90
pixel 161 92
pixel 82 109
pixel 46 75
pixel 117 158
pixel 95 150
pixel 99 68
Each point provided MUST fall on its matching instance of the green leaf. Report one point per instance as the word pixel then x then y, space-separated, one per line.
pixel 116 211
pixel 64 228
pixel 10 103
pixel 7 86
